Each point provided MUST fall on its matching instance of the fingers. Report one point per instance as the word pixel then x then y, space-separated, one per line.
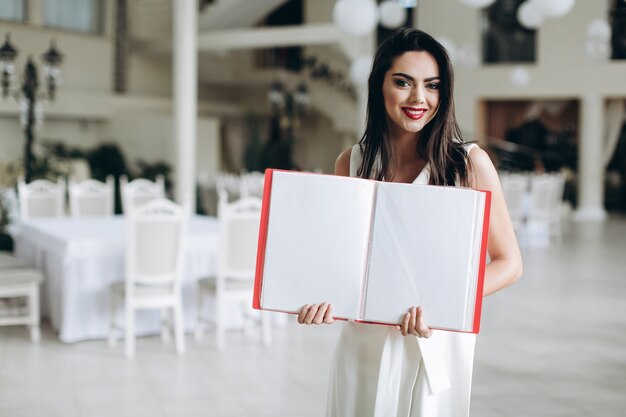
pixel 318 318
pixel 413 320
pixel 303 312
pixel 413 323
pixel 316 314
pixel 405 324
pixel 328 317
pixel 420 325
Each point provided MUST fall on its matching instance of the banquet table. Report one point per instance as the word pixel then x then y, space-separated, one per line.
pixel 81 257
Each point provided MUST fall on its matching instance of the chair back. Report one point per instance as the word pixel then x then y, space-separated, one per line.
pixel 140 191
pixel 228 183
pixel 238 237
pixel 546 192
pixel 91 197
pixel 515 190
pixel 251 184
pixel 41 198
pixel 156 238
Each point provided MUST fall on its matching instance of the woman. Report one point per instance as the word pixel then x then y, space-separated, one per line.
pixel 412 136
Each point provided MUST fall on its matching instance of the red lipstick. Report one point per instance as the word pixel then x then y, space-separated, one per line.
pixel 414 113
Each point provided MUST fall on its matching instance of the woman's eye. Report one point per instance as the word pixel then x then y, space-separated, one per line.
pixel 402 83
pixel 433 86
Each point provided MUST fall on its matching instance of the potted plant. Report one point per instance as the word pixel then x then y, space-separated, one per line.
pixel 6 241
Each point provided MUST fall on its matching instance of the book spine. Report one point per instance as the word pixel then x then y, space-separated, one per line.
pixel 260 257
pixel 482 262
pixel 368 253
pixel 472 270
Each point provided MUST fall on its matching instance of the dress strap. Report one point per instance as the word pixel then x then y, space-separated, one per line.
pixel 355 159
pixel 470 146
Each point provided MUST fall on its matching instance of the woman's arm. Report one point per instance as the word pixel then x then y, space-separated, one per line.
pixel 342 164
pixel 506 261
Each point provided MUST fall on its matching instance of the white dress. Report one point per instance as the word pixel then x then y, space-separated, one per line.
pixel 377 372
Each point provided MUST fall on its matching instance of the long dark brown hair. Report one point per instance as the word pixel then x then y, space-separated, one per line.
pixel 440 143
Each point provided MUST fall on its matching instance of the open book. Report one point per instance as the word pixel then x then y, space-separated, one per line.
pixel 372 249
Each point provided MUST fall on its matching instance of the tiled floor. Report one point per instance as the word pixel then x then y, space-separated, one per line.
pixel 552 345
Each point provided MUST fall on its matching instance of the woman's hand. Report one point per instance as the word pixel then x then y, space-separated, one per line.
pixel 413 324
pixel 316 314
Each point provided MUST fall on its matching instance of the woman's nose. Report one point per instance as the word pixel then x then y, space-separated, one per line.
pixel 417 95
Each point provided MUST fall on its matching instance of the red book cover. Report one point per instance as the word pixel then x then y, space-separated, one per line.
pixel 304 271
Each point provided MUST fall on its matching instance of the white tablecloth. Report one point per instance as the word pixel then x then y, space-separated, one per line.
pixel 82 257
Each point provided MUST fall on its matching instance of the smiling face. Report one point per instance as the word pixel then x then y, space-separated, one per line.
pixel 411 92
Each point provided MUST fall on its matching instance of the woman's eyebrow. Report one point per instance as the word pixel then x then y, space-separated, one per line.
pixel 408 77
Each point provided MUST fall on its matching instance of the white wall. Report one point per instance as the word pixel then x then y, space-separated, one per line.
pixel 82 134
pixel 561 70
pixel 87 112
pixel 318 144
pixel 85 97
pixel 148 136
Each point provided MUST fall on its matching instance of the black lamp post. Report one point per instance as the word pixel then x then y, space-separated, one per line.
pixel 288 106
pixel 29 90
pixel 287 109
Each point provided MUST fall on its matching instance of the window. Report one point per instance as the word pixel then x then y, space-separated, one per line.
pixel 12 10
pixel 290 58
pixel 77 15
pixel 505 40
pixel 618 26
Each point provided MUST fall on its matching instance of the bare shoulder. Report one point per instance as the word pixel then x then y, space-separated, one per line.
pixel 483 173
pixel 342 164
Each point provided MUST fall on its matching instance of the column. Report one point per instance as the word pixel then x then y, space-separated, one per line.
pixel 35 12
pixel 184 52
pixel 590 163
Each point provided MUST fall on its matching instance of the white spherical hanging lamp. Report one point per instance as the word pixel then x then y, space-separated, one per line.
pixel 360 70
pixel 599 30
pixel 356 17
pixel 519 77
pixel 530 15
pixel 597 51
pixel 477 4
pixel 392 14
pixel 555 8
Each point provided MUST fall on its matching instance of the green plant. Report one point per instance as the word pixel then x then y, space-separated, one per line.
pixel 150 170
pixel 6 242
pixel 4 214
pixel 107 159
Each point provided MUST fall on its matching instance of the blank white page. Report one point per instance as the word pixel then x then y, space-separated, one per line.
pixel 422 246
pixel 317 242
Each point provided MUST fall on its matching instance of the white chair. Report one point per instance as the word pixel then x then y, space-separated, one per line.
pixel 234 281
pixel 7 260
pixel 557 210
pixel 515 191
pixel 154 264
pixel 18 283
pixel 229 184
pixel 140 191
pixel 544 208
pixel 251 184
pixel 41 198
pixel 90 197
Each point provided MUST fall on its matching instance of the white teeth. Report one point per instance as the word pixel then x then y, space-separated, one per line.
pixel 415 112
